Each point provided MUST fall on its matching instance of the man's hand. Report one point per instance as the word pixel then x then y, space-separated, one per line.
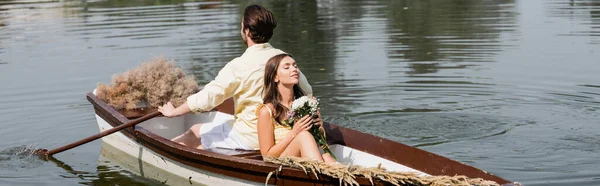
pixel 167 110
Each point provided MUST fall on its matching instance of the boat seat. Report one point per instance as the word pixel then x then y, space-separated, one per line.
pixel 235 152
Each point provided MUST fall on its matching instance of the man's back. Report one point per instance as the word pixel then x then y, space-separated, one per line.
pixel 249 95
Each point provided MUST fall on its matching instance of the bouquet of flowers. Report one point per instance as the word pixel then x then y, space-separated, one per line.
pixel 308 106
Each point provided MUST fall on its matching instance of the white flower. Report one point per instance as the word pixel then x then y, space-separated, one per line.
pixel 314 105
pixel 299 102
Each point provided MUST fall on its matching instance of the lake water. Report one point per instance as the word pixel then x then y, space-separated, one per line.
pixel 511 87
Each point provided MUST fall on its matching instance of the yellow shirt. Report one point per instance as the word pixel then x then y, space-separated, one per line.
pixel 242 79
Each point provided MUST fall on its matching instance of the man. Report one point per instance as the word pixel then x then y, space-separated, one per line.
pixel 242 79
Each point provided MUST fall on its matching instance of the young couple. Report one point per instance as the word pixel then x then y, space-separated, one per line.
pixel 263 81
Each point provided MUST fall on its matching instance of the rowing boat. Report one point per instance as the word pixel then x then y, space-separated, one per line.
pixel 149 143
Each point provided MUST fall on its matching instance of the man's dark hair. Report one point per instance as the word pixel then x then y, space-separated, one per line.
pixel 260 22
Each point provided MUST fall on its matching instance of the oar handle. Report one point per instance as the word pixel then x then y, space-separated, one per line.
pixel 102 134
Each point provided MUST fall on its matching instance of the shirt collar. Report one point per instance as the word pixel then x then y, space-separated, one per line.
pixel 259 46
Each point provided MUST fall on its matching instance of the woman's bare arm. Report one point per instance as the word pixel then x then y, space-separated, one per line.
pixel 266 131
pixel 266 137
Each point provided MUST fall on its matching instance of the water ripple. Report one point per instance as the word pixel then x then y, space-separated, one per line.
pixel 19 158
pixel 420 129
pixel 581 142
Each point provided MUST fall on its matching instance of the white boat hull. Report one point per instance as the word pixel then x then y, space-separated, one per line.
pixel 132 148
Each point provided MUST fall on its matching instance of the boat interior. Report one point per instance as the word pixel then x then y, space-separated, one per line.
pixel 171 127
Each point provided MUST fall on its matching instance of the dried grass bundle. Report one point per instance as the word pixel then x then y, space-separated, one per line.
pixel 154 82
pixel 347 174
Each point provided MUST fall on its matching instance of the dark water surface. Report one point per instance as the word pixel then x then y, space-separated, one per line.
pixel 511 87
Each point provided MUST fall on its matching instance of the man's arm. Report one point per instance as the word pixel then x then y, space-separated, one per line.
pixel 169 111
pixel 218 90
pixel 213 94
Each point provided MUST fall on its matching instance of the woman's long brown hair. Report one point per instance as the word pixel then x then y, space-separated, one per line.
pixel 271 93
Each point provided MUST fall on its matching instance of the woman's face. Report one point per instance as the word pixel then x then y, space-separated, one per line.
pixel 287 72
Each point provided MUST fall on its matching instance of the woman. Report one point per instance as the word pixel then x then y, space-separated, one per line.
pixel 280 90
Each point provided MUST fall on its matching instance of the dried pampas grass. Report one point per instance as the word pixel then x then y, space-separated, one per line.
pixel 154 82
pixel 347 174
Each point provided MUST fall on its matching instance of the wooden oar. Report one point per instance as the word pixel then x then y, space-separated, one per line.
pixel 47 152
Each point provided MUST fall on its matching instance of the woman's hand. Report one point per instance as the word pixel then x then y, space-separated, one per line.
pixel 303 124
pixel 167 109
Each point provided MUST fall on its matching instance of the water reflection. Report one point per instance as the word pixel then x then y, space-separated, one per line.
pixel 203 34
pixel 448 31
pixel 136 3
pixel 3 24
pixel 586 12
pixel 106 174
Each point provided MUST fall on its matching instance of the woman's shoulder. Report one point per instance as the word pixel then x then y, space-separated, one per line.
pixel 265 110
pixel 270 106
